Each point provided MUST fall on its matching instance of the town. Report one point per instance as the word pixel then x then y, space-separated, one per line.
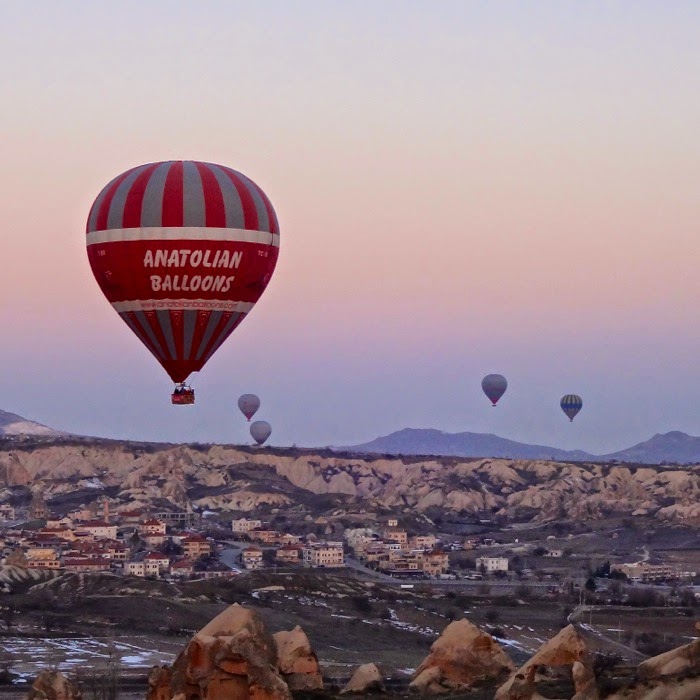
pixel 184 544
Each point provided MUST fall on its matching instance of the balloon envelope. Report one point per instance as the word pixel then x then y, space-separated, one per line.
pixel 249 404
pixel 182 250
pixel 494 386
pixel 260 430
pixel 571 404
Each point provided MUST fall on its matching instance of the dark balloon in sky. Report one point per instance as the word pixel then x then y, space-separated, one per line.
pixel 494 386
pixel 571 404
pixel 249 404
pixel 260 430
pixel 182 250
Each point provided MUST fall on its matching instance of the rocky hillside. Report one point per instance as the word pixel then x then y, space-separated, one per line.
pixel 245 479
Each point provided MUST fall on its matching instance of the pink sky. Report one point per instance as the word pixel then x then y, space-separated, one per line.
pixel 484 189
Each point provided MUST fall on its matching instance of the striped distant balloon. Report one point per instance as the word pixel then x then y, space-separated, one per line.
pixel 182 250
pixel 571 404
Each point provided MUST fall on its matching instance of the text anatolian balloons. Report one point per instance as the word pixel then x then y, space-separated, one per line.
pixel 182 250
pixel 494 386
pixel 571 404
pixel 260 430
pixel 249 404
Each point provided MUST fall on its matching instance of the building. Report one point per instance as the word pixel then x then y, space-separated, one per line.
pixel 156 564
pixel 98 529
pixel 182 568
pixel 492 564
pixel 245 525
pixel 152 527
pixel 393 534
pixel 195 546
pixel 324 556
pixel 264 536
pixel 252 558
pixel 554 553
pixel 154 541
pixel 435 563
pixel 179 518
pixel 288 554
pixel 85 565
pixel 135 568
pixel 423 541
pixel 645 572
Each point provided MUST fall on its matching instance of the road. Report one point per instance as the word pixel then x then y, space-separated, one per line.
pixel 232 549
pixel 580 610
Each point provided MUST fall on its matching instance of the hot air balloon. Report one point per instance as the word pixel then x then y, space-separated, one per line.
pixel 249 404
pixel 571 404
pixel 182 250
pixel 260 430
pixel 494 386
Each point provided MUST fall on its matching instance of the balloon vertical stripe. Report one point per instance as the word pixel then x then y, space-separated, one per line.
pixel 133 202
pixel 215 209
pixel 173 203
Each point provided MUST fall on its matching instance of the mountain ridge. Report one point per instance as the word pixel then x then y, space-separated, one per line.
pixel 12 424
pixel 673 446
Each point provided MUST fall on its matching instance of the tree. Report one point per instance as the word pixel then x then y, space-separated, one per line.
pixel 590 584
pixel 492 615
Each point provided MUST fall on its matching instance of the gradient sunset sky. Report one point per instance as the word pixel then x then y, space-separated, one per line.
pixel 462 188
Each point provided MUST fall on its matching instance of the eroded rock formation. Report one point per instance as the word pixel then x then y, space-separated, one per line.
pixel 567 649
pixel 231 658
pixel 52 685
pixel 297 661
pixel 366 679
pixel 460 657
pixel 673 675
pixel 228 477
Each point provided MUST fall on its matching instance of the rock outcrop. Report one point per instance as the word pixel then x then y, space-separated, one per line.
pixel 297 661
pixel 366 679
pixel 566 649
pixel 679 660
pixel 231 658
pixel 461 656
pixel 52 685
pixel 673 675
pixel 221 476
pixel 660 689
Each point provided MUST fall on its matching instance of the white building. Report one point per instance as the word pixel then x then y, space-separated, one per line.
pixel 245 525
pixel 491 564
pixel 136 568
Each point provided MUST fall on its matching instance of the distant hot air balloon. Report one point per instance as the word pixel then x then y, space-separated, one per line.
pixel 260 430
pixel 182 250
pixel 249 404
pixel 571 404
pixel 494 386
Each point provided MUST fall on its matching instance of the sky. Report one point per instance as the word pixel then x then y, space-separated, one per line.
pixel 463 187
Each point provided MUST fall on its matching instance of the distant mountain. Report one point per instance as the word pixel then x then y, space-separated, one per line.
pixel 426 441
pixel 673 447
pixel 667 447
pixel 12 424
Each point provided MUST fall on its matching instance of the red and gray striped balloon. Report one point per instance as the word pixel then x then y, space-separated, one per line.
pixel 182 250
